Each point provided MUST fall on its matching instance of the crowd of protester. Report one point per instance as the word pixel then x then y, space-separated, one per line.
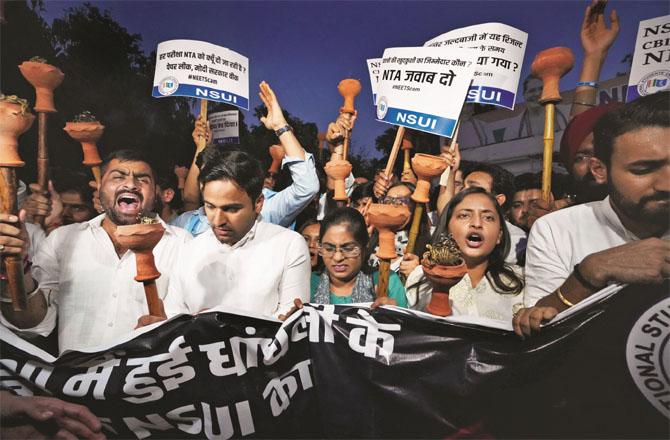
pixel 231 240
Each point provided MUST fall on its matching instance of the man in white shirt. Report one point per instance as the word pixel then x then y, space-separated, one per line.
pixel 241 262
pixel 625 238
pixel 81 274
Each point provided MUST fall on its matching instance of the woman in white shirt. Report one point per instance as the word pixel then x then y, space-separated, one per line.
pixel 491 288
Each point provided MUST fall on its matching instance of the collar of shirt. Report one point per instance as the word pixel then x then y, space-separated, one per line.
pixel 249 236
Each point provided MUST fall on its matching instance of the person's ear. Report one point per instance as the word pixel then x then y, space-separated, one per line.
pixel 598 170
pixel 500 235
pixel 258 205
pixel 501 199
pixel 167 195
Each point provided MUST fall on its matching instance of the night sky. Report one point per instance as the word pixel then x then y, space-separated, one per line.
pixel 303 49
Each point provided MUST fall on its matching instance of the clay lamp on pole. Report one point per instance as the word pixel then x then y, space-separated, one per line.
pixel 44 78
pixel 349 89
pixel 426 167
pixel 550 65
pixel 86 130
pixel 444 267
pixel 142 238
pixel 387 219
pixel 15 119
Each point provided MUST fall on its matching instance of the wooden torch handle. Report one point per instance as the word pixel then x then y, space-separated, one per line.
pixel 384 273
pixel 414 229
pixel 549 109
pixel 394 151
pixel 42 158
pixel 153 301
pixel 95 169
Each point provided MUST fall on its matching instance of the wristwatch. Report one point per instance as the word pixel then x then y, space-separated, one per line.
pixel 283 130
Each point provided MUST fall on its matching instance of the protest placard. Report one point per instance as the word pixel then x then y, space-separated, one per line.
pixel 650 71
pixel 201 70
pixel 500 56
pixel 225 127
pixel 374 65
pixel 424 88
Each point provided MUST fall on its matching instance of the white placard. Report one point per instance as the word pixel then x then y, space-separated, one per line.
pixel 225 127
pixel 201 70
pixel 424 88
pixel 500 56
pixel 650 72
pixel 374 68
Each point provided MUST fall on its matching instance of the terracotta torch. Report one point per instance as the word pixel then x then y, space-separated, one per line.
pixel 15 119
pixel 444 267
pixel 338 170
pixel 142 238
pixel 277 154
pixel 86 130
pixel 426 167
pixel 45 78
pixel 349 89
pixel 387 219
pixel 550 65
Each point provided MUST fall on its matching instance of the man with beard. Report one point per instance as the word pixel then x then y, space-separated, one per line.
pixel 578 251
pixel 81 274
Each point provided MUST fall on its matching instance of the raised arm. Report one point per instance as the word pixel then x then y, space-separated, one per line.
pixel 201 137
pixel 596 39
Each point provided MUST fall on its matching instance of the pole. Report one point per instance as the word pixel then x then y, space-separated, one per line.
pixel 548 152
pixel 394 151
pixel 13 263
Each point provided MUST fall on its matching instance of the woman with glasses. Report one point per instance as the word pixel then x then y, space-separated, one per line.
pixel 346 277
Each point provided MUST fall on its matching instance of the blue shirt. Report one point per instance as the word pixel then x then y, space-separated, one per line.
pixel 280 208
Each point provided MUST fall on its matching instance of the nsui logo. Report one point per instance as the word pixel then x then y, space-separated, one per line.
pixel 382 107
pixel 416 121
pixel 168 86
pixel 215 94
pixel 654 82
pixel 648 355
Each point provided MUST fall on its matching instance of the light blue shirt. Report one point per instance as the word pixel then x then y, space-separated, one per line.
pixel 280 208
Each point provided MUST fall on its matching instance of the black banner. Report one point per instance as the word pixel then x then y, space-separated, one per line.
pixel 346 371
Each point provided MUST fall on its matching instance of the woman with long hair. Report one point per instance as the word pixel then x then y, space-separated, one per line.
pixel 491 288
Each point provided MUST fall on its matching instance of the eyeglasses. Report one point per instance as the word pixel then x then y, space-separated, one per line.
pixel 396 200
pixel 581 157
pixel 348 251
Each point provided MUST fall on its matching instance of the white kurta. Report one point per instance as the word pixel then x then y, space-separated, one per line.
pixel 262 273
pixel 564 238
pixel 90 289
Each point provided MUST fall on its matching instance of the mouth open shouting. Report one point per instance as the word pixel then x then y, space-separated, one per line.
pixel 127 208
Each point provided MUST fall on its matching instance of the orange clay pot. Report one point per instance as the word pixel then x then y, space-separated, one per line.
pixel 277 154
pixel 45 78
pixel 87 133
pixel 12 125
pixel 338 170
pixel 442 278
pixel 426 167
pixel 141 239
pixel 550 65
pixel 387 219
pixel 349 89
